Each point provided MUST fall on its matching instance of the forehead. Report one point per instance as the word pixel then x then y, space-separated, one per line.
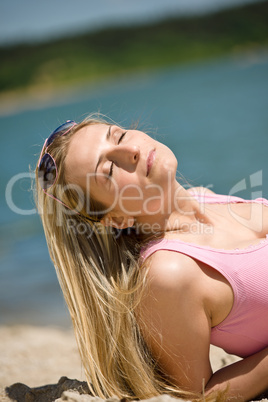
pixel 83 151
pixel 89 133
pixel 87 138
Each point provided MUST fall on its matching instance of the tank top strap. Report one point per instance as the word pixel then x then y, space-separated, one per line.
pixel 216 198
pixel 224 199
pixel 210 256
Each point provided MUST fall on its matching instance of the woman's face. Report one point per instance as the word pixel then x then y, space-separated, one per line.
pixel 128 172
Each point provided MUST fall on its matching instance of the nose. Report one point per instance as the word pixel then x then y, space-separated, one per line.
pixel 125 156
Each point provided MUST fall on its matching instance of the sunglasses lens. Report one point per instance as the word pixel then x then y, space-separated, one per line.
pixel 60 131
pixel 47 172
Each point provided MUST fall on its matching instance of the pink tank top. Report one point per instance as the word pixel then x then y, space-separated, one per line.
pixel 245 329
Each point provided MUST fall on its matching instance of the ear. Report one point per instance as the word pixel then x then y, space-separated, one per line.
pixel 118 222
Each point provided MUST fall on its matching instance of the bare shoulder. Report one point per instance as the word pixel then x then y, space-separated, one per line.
pixel 168 269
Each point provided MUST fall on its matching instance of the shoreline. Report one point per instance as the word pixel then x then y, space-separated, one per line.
pixel 40 356
pixel 44 96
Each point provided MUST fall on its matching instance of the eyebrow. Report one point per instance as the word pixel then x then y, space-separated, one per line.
pixel 108 135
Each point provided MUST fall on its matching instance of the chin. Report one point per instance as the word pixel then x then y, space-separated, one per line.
pixel 170 163
pixel 167 172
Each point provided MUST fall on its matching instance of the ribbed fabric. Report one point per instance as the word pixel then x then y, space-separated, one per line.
pixel 245 330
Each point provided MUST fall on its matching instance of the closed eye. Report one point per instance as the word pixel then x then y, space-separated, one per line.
pixel 121 137
pixel 112 164
pixel 111 169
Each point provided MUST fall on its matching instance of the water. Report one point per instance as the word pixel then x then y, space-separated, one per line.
pixel 214 117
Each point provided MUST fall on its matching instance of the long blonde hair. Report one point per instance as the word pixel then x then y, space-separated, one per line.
pixel 101 280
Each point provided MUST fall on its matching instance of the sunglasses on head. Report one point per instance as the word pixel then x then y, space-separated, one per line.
pixel 47 168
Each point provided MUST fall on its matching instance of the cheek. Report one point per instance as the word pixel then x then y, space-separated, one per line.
pixel 136 201
pixel 125 183
pixel 127 194
pixel 133 199
pixel 129 198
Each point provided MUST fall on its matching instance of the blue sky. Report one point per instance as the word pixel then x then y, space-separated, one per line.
pixel 31 20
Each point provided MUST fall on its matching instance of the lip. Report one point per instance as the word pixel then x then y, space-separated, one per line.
pixel 150 161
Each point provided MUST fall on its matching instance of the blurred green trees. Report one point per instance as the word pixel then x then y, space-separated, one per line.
pixel 92 56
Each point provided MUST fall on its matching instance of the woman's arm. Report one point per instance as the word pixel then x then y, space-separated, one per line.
pixel 178 324
pixel 177 327
pixel 247 377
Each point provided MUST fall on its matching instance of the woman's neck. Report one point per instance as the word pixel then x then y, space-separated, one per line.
pixel 179 213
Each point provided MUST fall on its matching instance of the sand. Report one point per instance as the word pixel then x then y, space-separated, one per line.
pixel 41 356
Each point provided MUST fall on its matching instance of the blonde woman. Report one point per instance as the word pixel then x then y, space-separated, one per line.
pixel 153 273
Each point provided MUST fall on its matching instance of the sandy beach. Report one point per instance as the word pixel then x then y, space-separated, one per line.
pixel 38 357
